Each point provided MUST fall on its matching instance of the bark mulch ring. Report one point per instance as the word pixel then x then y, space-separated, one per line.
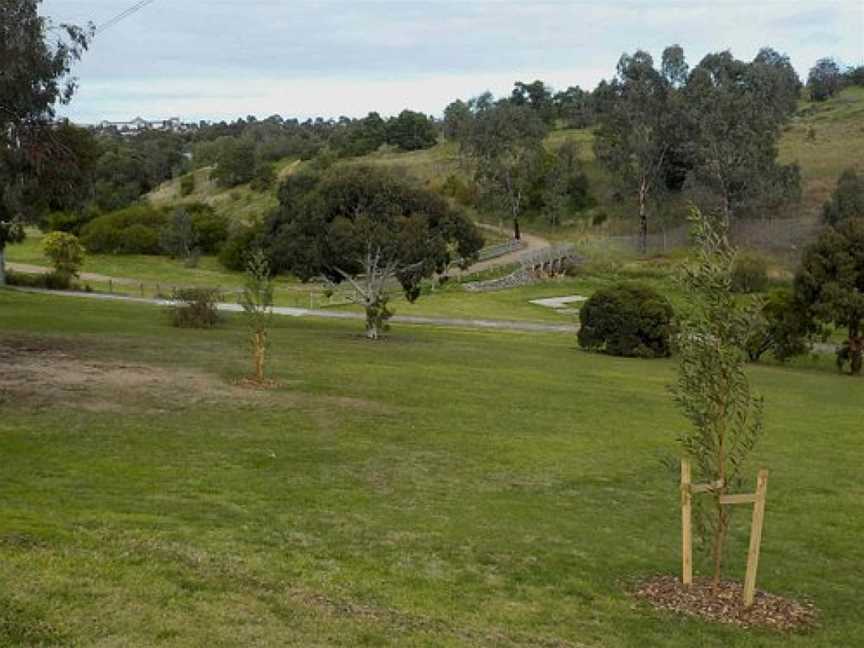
pixel 724 605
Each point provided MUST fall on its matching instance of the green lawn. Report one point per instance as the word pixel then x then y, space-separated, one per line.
pixel 440 488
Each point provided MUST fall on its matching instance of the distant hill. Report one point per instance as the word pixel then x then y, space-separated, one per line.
pixel 823 138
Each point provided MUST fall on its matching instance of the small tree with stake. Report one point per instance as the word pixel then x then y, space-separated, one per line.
pixel 712 389
pixel 257 303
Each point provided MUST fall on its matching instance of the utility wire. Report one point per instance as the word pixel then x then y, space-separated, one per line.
pixel 122 15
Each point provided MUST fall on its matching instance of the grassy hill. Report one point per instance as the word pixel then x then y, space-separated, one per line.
pixel 823 138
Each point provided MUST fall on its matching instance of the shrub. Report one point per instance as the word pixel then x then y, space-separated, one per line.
pixel 49 280
pixel 194 307
pixel 782 326
pixel 629 320
pixel 71 222
pixel 210 228
pixel 235 251
pixel 134 230
pixel 187 184
pixel 749 274
pixel 65 252
pixel 264 178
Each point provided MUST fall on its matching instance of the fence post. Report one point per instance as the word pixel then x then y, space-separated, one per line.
pixel 686 524
pixel 110 286
pixel 755 538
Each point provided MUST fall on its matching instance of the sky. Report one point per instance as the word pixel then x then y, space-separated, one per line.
pixel 223 59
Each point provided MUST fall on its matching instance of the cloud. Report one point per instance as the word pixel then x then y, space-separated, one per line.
pixel 379 48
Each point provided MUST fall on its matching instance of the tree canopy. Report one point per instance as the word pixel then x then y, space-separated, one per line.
pixel 361 220
pixel 831 283
pixel 37 58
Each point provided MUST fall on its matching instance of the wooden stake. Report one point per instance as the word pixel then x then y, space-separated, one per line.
pixel 686 524
pixel 755 538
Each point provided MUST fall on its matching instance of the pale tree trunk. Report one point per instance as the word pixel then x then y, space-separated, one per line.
pixel 2 265
pixel 643 217
pixel 370 290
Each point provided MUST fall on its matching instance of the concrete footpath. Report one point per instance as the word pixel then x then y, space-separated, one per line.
pixel 287 311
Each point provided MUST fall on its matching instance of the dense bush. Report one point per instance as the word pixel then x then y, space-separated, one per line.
pixel 847 200
pixel 235 251
pixel 210 228
pixel 265 177
pixel 48 280
pixel 782 327
pixel 194 307
pixel 137 230
pixel 627 320
pixel 187 184
pixel 749 274
pixel 68 221
pixel 134 230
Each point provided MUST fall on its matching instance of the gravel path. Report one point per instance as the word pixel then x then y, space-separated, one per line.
pixel 500 325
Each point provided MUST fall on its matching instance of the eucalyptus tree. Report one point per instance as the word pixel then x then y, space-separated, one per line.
pixel 825 79
pixel 505 146
pixel 735 123
pixel 712 389
pixel 634 137
pixel 37 58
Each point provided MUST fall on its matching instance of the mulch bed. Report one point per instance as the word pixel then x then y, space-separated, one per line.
pixel 724 604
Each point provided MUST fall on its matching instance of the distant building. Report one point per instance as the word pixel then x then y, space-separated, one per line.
pixel 138 125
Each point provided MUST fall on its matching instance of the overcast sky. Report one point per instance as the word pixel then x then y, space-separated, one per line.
pixel 220 59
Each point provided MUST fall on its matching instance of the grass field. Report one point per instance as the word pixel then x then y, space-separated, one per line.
pixel 441 488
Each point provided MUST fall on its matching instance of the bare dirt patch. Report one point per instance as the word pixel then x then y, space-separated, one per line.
pixel 40 373
pixel 724 604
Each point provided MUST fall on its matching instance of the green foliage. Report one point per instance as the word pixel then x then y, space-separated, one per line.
pixel 782 327
pixel 505 144
pixel 257 303
pixel 235 163
pixel 734 112
pixel 830 282
pixel 463 192
pixel 412 131
pixel 178 238
pixel 195 307
pixel 47 280
pixel 265 177
pixel 187 184
pixel 65 252
pixel 847 200
pixel 824 80
pixel 630 320
pixel 209 227
pixel 39 165
pixel 69 221
pixel 637 130
pixel 327 225
pixel 749 273
pixel 133 230
pixel 242 240
pixel 713 390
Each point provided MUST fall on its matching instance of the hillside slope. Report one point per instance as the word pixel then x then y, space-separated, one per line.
pixel 823 138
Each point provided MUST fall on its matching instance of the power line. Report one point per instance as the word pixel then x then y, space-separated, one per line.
pixel 123 15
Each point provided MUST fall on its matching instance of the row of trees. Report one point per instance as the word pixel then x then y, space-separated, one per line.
pixel 827 78
pixel 712 131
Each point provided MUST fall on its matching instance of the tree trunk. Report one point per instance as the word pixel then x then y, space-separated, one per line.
pixel 2 266
pixel 856 352
pixel 372 329
pixel 516 233
pixel 643 218
pixel 258 352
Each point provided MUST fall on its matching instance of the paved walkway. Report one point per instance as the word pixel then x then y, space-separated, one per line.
pixel 500 325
